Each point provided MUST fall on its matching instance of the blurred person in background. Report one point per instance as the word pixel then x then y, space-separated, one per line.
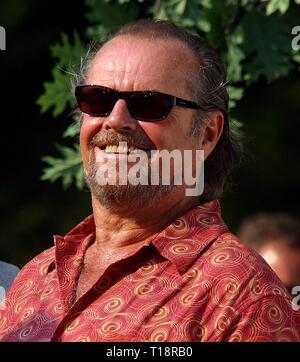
pixel 8 272
pixel 276 237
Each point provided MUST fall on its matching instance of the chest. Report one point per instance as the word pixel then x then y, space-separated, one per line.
pixel 89 275
pixel 85 282
pixel 93 267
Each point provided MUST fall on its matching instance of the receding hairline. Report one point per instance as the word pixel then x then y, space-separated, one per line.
pixel 187 56
pixel 179 43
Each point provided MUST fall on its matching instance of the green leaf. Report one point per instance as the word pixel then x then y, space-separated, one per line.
pixel 207 3
pixel 235 94
pixel 274 5
pixel 68 54
pixel 57 94
pixel 235 56
pixel 73 130
pixel 267 46
pixel 296 57
pixel 97 32
pixel 109 15
pixel 68 167
pixel 236 127
pixel 204 25
pixel 181 12
pixel 249 5
pixel 180 7
pixel 161 13
pixel 214 19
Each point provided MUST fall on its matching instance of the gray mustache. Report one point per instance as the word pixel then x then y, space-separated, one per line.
pixel 113 138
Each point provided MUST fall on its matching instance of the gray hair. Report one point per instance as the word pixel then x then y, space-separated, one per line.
pixel 208 87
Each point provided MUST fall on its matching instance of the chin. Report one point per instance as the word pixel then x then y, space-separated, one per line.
pixel 129 196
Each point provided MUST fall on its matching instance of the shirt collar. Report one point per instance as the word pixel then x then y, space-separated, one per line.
pixel 187 237
pixel 181 242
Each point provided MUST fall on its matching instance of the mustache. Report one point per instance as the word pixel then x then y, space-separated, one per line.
pixel 138 140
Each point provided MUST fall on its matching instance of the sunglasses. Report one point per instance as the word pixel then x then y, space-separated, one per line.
pixel 148 106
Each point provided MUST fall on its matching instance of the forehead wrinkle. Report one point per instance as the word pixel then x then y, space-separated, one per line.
pixel 116 66
pixel 116 72
pixel 122 78
pixel 104 76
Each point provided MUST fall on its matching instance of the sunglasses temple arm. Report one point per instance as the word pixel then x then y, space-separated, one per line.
pixel 188 104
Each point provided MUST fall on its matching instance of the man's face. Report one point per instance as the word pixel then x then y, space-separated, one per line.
pixel 134 64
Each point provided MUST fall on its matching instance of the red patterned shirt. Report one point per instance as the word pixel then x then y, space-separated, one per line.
pixel 193 281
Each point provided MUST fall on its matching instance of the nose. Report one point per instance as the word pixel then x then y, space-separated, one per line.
pixel 120 119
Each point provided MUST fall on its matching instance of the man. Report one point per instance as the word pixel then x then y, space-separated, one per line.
pixel 276 237
pixel 151 263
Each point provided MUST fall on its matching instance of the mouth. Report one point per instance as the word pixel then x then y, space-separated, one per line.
pixel 121 149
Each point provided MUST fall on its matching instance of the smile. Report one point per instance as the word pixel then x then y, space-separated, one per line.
pixel 123 148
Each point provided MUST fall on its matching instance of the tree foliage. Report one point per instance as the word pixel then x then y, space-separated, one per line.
pixel 253 37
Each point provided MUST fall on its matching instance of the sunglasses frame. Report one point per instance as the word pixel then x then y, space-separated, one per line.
pixel 173 101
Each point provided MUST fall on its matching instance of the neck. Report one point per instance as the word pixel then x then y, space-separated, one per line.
pixel 123 228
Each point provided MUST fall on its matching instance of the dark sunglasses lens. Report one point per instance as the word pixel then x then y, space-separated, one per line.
pixel 149 106
pixel 96 101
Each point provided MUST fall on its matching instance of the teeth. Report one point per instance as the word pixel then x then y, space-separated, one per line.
pixel 121 149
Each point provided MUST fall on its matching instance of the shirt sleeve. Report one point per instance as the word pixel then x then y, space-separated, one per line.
pixel 270 319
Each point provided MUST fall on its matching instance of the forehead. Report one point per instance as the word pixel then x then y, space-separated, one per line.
pixel 135 63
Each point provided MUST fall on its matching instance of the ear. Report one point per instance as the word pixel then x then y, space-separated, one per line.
pixel 212 132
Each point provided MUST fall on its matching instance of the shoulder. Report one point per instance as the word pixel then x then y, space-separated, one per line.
pixel 33 272
pixel 8 273
pixel 239 272
pixel 228 253
pixel 245 293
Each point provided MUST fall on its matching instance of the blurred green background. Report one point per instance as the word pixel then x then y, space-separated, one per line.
pixel 32 211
